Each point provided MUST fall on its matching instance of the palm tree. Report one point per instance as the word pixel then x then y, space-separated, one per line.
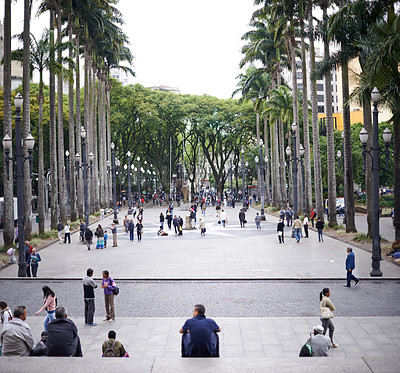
pixel 8 214
pixel 26 124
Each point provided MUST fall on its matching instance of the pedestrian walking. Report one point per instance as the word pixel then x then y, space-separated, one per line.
pixel 139 230
pixel 169 218
pixel 320 226
pixel 131 229
pixel 101 214
pixel 108 284
pixel 224 218
pixel 305 225
pixel 5 313
pixel 67 233
pixel 105 238
pixel 82 230
pixel 257 219
pixel 350 266
pixel 114 234
pixel 60 228
pixel 180 226
pixel 88 297
pixel 203 209
pixel 280 227
pixel 88 237
pixel 242 219
pixel 162 220
pixel 326 313
pixel 100 237
pixel 175 222
pixel 297 229
pixel 288 217
pixel 126 224
pixel 282 214
pixel 312 217
pixel 50 303
pixel 34 260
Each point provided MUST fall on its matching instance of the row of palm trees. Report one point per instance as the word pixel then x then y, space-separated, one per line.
pixel 281 32
pixel 92 28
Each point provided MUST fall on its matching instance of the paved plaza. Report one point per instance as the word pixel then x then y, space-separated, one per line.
pixel 223 253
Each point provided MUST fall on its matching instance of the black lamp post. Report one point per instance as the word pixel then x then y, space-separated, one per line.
pixel 375 153
pixel 244 181
pixel 128 154
pixel 19 160
pixel 114 165
pixel 301 153
pixel 138 177
pixel 85 168
pixel 67 176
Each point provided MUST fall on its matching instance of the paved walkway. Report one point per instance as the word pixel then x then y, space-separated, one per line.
pixel 240 337
pixel 230 252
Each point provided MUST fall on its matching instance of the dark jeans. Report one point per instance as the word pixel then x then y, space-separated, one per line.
pixel 169 222
pixel 186 351
pixel 131 235
pixel 67 235
pixel 89 311
pixel 350 277
pixel 306 230
pixel 328 324
pixel 320 236
pixel 281 237
pixel 34 269
pixel 176 229
pixel 242 224
pixel 139 236
pixel 28 271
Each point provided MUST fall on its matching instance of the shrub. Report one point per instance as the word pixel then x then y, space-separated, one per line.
pixel 361 237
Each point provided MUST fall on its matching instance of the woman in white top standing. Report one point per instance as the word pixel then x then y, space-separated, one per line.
pixel 224 218
pixel 67 233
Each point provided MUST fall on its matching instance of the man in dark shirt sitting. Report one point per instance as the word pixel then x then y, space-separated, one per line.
pixel 200 338
pixel 62 336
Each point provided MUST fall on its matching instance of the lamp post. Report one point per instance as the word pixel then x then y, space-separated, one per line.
pixel 128 154
pixel 138 177
pixel 20 160
pixel 231 176
pixel 267 180
pixel 244 182
pixel 301 153
pixel 67 176
pixel 114 176
pixel 295 191
pixel 375 153
pixel 85 167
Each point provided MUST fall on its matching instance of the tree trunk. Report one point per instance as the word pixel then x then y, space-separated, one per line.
pixel 60 128
pixel 41 185
pixel 79 194
pixel 53 131
pixel 96 97
pixel 26 120
pixel 331 166
pixel 71 133
pixel 109 141
pixel 348 155
pixel 396 158
pixel 8 213
pixel 267 164
pixel 316 147
pixel 306 130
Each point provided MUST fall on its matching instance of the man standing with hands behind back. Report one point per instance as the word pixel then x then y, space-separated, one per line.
pixel 88 295
pixel 108 285
pixel 350 265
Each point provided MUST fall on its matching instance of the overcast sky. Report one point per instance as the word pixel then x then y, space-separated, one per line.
pixel 188 44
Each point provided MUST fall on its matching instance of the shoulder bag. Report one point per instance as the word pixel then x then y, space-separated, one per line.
pixel 326 312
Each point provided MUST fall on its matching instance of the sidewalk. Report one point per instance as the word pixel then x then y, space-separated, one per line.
pixel 264 337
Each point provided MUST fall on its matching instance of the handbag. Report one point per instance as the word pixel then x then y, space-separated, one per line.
pixel 326 312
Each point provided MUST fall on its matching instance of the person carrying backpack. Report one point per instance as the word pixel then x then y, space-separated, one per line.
pixel 112 347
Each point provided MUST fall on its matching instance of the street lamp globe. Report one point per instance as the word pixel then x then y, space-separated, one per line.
pixel 266 159
pixel 242 151
pixel 138 159
pixel 67 153
pixel 375 95
pixel 112 146
pixel 363 136
pixel 7 142
pixel 301 150
pixel 288 151
pixel 135 169
pixel 386 135
pixel 128 153
pixel 91 157
pixel 108 163
pixel 256 159
pixel 77 157
pixel 125 167
pixel 83 133
pixel 29 142
pixel 117 162
pixel 294 127
pixel 246 164
pixel 132 167
pixel 261 142
pixel 18 101
pixel 338 154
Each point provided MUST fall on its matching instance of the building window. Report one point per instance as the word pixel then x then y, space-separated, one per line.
pixel 320 98
pixel 333 98
pixel 299 75
pixel 321 109
pixel 320 87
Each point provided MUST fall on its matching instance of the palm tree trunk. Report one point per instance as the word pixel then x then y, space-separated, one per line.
pixel 53 130
pixel 60 128
pixel 26 120
pixel 86 107
pixel 41 207
pixel 79 193
pixel 8 213
pixel 306 130
pixel 282 165
pixel 331 166
pixel 316 147
pixel 96 98
pixel 71 133
pixel 109 141
pixel 348 155
pixel 279 187
pixel 267 167
pixel 396 158
pixel 272 165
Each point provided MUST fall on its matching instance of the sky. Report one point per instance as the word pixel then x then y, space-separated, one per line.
pixel 191 45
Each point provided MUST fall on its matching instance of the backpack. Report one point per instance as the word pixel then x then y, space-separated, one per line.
pixel 306 349
pixel 110 352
